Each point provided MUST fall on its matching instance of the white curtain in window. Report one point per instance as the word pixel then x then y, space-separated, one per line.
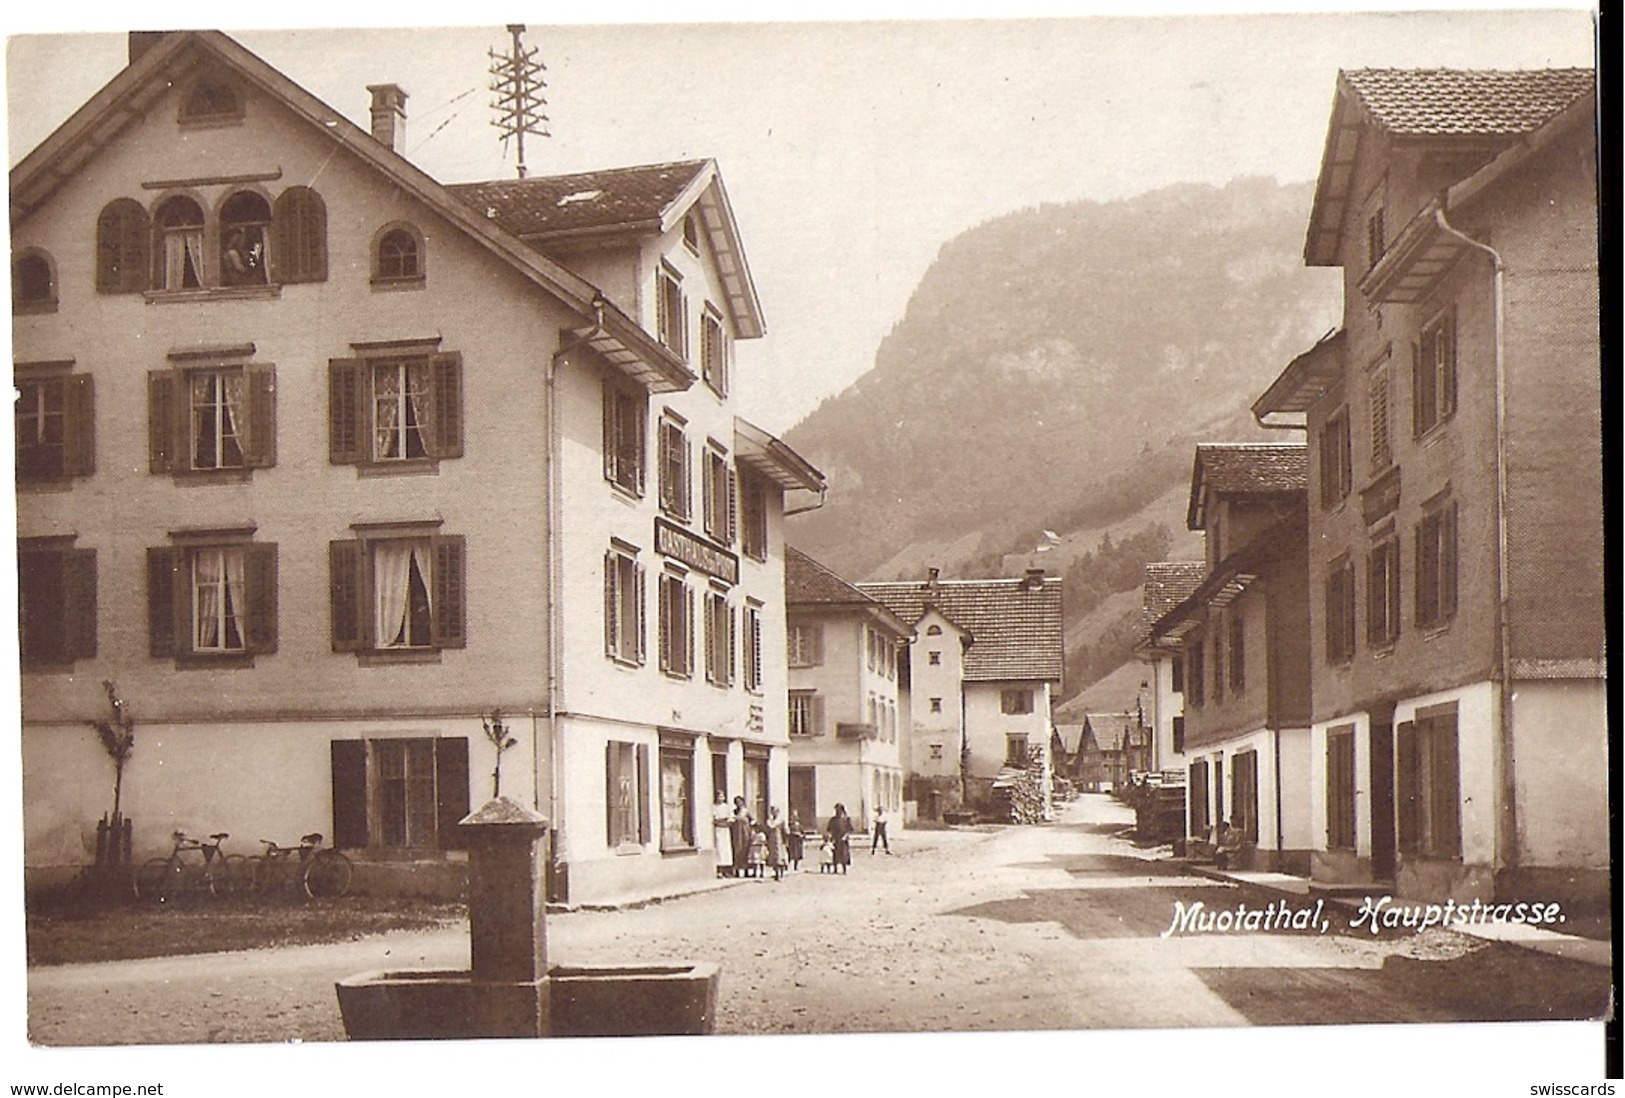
pixel 231 451
pixel 387 420
pixel 182 248
pixel 417 391
pixel 233 561
pixel 392 564
pixel 206 567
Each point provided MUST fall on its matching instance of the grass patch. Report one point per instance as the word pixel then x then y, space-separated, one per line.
pixel 67 932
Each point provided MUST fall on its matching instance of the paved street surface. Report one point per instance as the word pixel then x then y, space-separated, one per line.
pixel 1052 927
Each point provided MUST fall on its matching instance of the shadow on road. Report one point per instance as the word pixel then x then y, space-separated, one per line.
pixel 1497 983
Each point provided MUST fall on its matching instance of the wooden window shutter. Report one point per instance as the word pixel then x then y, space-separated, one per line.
pixel 641 787
pixel 80 600
pixel 610 420
pixel 1447 561
pixel 816 715
pixel 122 236
pixel 688 618
pixel 1407 794
pixel 260 449
pixel 448 406
pixel 299 237
pixel 816 635
pixel 611 616
pixel 162 415
pixel 345 578
pixel 1419 398
pixel 162 562
pixel 346 411
pixel 610 838
pixel 449 621
pixel 79 426
pixel 639 646
pixel 350 815
pixel 1446 370
pixel 733 507
pixel 260 581
pixel 450 790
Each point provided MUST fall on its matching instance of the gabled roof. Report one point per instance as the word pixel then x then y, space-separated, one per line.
pixel 123 102
pixel 1015 623
pixel 1110 729
pixel 1071 737
pixel 1244 468
pixel 810 585
pixel 1233 575
pixel 1167 584
pixel 1481 109
pixel 589 207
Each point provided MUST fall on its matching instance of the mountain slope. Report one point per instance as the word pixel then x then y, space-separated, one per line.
pixel 1053 371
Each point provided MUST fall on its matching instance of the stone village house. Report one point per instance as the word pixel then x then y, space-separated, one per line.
pixel 848 697
pixel 322 462
pixel 1458 735
pixel 982 673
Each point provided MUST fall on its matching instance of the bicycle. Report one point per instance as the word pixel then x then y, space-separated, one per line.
pixel 162 879
pixel 320 872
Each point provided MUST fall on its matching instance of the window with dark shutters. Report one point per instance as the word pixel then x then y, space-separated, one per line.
pixel 54 419
pixel 435 570
pixel 123 232
pixel 299 237
pixel 1436 566
pixel 239 616
pixel 56 602
pixel 395 412
pixel 211 419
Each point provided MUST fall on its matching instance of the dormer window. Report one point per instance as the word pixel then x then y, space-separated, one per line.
pixel 179 250
pixel 211 98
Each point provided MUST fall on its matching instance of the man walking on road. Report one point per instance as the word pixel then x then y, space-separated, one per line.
pixel 880 832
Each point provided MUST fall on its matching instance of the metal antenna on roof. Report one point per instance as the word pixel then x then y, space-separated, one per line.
pixel 517 82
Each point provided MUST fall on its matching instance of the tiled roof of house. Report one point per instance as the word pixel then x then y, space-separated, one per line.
pixel 1167 584
pixel 1110 729
pixel 1015 624
pixel 809 585
pixel 613 198
pixel 1071 736
pixel 1466 102
pixel 1240 468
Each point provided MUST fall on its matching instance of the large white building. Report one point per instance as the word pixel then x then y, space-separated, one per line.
pixel 323 463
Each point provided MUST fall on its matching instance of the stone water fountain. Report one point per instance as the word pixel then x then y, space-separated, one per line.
pixel 510 990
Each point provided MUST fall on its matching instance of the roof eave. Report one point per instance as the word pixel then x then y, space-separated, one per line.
pixel 1306 379
pixel 774 459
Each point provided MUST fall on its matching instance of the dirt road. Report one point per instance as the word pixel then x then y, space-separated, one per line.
pixel 1053 927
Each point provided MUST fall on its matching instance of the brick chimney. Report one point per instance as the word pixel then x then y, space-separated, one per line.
pixel 388 115
pixel 1033 580
pixel 142 41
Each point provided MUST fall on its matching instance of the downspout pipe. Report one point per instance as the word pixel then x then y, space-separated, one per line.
pixel 555 579
pixel 1508 819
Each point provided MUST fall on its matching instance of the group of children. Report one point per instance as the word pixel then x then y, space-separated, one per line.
pixel 756 847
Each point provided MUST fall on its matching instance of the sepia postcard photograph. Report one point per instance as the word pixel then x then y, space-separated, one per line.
pixel 837 551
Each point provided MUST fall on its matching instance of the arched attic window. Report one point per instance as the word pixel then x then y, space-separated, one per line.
pixel 33 283
pixel 245 222
pixel 123 235
pixel 299 237
pixel 397 256
pixel 178 245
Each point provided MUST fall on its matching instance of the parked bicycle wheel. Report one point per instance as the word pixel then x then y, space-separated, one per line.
pixel 158 879
pixel 229 873
pixel 327 875
pixel 271 875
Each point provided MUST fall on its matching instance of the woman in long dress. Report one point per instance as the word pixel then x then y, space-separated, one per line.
pixel 839 834
pixel 773 840
pixel 721 817
pixel 740 829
